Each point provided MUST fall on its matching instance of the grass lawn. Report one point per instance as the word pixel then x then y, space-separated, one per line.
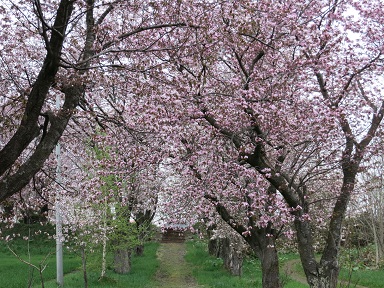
pixel 15 274
pixel 209 271
pixel 367 278
pixel 141 276
pixel 363 277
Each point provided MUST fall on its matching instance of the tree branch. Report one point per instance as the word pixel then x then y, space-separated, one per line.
pixel 28 128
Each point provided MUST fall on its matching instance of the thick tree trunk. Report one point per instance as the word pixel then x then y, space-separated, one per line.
pixel 122 261
pixel 224 249
pixel 261 240
pixel 266 251
pixel 270 268
pixel 325 274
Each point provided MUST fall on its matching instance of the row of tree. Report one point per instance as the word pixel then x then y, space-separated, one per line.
pixel 259 112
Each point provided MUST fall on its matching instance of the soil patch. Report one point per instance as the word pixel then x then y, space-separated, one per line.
pixel 174 272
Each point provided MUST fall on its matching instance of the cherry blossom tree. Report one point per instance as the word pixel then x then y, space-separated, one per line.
pixel 258 104
pixel 69 44
pixel 299 98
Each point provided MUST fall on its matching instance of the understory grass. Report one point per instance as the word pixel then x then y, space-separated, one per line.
pixel 358 266
pixel 350 276
pixel 209 271
pixel 141 275
pixel 41 250
pixel 367 278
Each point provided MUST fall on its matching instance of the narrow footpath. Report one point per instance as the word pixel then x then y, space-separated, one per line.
pixel 174 272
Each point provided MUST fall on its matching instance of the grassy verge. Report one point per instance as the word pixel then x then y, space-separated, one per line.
pixel 367 278
pixel 364 277
pixel 15 274
pixel 39 250
pixel 209 271
pixel 142 274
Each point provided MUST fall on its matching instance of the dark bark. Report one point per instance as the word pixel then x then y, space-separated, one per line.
pixel 261 240
pixel 139 250
pixel 122 261
pixel 265 249
pixel 270 268
pixel 15 182
pixel 29 128
pixel 224 248
pixel 143 224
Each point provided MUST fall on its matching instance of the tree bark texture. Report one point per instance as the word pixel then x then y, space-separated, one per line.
pixel 265 249
pixel 224 249
pixel 29 129
pixel 84 264
pixel 262 241
pixel 122 261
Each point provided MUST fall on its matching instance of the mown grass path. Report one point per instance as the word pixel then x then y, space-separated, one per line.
pixel 174 271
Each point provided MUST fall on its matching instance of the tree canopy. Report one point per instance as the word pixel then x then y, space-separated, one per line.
pixel 260 112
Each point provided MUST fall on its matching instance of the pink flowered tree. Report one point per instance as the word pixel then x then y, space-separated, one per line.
pixel 295 88
pixel 258 104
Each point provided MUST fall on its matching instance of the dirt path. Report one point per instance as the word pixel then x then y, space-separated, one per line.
pixel 289 269
pixel 174 271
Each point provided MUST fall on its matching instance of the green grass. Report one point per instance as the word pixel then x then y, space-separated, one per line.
pixel 15 274
pixel 368 278
pixel 364 277
pixel 141 276
pixel 209 271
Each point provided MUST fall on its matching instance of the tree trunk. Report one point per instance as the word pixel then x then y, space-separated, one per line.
pixel 269 262
pixel 223 248
pixel 104 258
pixel 265 249
pixel 139 250
pixel 84 264
pixel 122 261
pixel 270 268
pixel 325 274
pixel 104 252
pixel 261 240
pixel 213 247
